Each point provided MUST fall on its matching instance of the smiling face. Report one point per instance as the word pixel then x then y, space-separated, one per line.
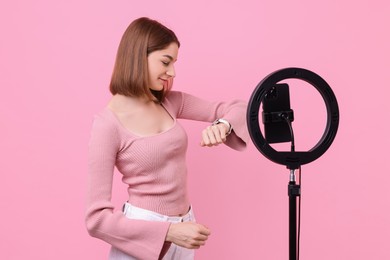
pixel 161 66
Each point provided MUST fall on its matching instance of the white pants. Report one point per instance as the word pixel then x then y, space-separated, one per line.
pixel 175 252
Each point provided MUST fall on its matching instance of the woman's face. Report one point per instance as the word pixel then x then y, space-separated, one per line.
pixel 161 66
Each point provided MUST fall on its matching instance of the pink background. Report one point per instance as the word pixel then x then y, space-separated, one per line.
pixel 56 59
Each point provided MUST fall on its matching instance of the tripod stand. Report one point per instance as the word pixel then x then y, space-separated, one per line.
pixel 293 160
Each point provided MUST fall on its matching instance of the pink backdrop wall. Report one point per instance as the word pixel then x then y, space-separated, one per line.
pixel 56 59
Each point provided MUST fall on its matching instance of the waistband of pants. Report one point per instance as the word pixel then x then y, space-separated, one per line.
pixel 130 209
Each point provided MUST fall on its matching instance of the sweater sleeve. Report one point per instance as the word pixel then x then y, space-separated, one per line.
pixel 139 238
pixel 194 108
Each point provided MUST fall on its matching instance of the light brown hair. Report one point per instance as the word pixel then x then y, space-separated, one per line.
pixel 130 75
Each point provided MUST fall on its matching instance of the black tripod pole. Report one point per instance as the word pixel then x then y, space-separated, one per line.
pixel 293 193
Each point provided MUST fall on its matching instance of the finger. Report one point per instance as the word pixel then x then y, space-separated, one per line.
pixel 205 139
pixel 217 131
pixel 205 232
pixel 223 131
pixel 208 137
pixel 193 247
pixel 212 135
pixel 191 244
pixel 216 134
pixel 201 238
pixel 197 243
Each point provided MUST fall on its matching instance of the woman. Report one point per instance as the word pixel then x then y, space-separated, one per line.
pixel 138 133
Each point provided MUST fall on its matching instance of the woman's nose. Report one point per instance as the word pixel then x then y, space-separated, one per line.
pixel 171 71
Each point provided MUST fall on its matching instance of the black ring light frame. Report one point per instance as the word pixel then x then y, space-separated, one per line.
pixel 297 158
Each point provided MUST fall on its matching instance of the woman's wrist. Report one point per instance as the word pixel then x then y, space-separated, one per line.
pixel 225 122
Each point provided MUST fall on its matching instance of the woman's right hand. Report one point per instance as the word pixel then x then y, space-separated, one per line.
pixel 188 234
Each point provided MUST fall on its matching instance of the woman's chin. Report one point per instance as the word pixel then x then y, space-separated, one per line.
pixel 158 88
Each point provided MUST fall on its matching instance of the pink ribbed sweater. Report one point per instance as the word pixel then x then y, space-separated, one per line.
pixel 153 167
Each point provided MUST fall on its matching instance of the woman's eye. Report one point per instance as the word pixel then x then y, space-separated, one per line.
pixel 166 63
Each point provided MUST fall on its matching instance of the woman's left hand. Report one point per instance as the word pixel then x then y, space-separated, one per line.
pixel 214 135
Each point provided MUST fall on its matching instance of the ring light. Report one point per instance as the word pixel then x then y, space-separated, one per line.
pixel 293 159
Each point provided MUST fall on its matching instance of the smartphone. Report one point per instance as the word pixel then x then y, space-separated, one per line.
pixel 277 101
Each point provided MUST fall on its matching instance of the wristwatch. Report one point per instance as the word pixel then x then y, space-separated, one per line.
pixel 223 121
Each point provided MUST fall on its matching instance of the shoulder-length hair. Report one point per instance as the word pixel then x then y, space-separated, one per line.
pixel 130 76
